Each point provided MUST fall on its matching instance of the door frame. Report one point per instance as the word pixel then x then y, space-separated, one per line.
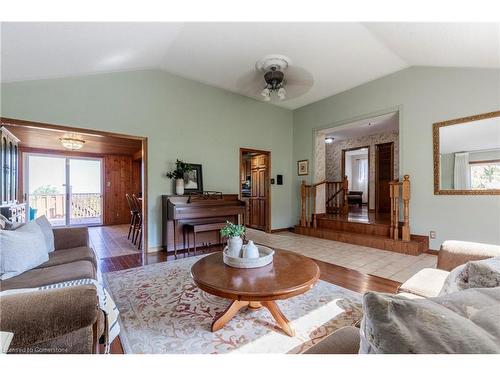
pixel 377 171
pixel 144 150
pixel 268 182
pixel 25 154
pixel 343 170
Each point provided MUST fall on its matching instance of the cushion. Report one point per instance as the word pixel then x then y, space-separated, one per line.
pixel 460 323
pixel 70 255
pixel 46 228
pixel 343 341
pixel 427 282
pixel 474 274
pixel 50 275
pixel 455 253
pixel 484 273
pixel 455 281
pixel 7 224
pixel 21 250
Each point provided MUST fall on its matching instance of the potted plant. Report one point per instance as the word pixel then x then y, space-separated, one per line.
pixel 178 175
pixel 233 233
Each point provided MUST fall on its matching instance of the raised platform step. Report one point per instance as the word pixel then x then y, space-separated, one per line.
pixel 416 246
pixel 341 224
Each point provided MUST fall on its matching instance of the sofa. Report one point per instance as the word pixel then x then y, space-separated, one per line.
pixel 66 320
pixel 426 283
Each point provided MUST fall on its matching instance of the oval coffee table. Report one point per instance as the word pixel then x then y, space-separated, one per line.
pixel 289 275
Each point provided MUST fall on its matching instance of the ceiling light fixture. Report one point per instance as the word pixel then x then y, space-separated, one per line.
pixel 72 141
pixel 329 140
pixel 273 67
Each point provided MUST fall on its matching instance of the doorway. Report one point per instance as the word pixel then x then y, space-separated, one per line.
pixel 356 166
pixel 121 162
pixel 384 173
pixel 67 190
pixel 255 188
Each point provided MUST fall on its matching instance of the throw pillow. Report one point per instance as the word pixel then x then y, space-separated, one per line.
pixel 462 322
pixel 7 224
pixel 455 281
pixel 48 234
pixel 484 273
pixel 474 274
pixel 21 250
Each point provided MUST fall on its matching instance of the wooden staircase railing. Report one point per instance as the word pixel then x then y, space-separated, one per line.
pixel 400 191
pixel 335 200
pixel 336 196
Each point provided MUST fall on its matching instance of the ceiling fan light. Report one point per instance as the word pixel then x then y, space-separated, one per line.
pixel 282 93
pixel 72 141
pixel 267 98
pixel 266 92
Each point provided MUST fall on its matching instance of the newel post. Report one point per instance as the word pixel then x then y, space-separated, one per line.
pixel 303 204
pixel 406 208
pixel 345 187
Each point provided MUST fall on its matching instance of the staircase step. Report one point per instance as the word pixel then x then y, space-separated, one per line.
pixel 374 229
pixel 412 247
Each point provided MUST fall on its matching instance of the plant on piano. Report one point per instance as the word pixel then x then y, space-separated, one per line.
pixel 181 168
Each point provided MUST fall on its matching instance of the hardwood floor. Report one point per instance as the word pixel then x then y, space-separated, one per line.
pixel 338 275
pixel 111 241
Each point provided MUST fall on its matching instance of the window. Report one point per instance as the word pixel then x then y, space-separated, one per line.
pixel 485 175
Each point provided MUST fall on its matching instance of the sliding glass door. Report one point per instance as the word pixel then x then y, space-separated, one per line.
pixel 65 189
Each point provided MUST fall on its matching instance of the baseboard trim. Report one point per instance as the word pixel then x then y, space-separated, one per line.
pixel 432 252
pixel 288 229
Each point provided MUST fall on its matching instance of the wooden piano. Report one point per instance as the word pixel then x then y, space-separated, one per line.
pixel 178 210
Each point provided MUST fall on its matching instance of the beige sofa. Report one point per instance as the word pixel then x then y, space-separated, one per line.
pixel 58 321
pixel 424 284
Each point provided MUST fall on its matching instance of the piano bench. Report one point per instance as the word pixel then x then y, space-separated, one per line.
pixel 191 228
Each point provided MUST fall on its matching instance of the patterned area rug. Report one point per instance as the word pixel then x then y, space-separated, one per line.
pixel 162 311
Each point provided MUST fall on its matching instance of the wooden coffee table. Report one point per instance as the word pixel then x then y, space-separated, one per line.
pixel 289 275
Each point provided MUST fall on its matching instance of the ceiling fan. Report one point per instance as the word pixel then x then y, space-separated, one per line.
pixel 275 79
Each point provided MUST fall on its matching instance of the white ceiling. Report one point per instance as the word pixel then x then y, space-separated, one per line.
pixel 336 56
pixel 376 125
pixel 471 136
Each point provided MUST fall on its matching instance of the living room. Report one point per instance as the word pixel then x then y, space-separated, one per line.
pixel 282 200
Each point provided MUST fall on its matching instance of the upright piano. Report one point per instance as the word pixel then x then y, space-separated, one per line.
pixel 178 210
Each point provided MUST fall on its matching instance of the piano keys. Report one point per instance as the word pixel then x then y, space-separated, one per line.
pixel 178 210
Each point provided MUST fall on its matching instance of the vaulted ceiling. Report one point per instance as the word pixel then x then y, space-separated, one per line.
pixel 333 56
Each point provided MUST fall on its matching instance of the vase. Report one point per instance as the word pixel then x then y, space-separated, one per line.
pixel 234 245
pixel 179 186
pixel 250 250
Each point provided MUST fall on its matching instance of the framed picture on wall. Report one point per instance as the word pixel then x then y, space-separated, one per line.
pixel 303 167
pixel 193 180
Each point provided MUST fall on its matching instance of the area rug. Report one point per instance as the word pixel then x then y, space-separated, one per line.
pixel 163 311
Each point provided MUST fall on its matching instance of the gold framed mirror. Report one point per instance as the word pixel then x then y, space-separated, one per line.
pixel 467 155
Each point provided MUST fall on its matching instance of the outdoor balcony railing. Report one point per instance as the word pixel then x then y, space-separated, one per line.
pixel 53 206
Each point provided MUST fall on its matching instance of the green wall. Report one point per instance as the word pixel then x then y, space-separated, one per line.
pixel 201 124
pixel 181 118
pixel 424 96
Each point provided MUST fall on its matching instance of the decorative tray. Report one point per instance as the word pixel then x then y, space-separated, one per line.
pixel 266 257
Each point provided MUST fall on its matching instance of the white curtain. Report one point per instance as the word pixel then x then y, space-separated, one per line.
pixel 360 177
pixel 461 175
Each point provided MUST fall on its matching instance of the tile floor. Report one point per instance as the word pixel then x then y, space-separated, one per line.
pixel 387 264
pixel 111 241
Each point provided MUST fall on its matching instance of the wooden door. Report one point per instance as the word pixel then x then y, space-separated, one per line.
pixel 384 173
pixel 259 196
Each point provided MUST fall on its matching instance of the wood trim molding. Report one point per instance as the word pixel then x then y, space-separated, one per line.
pixel 278 230
pixel 436 162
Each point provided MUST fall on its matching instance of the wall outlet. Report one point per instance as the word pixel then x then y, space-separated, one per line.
pixel 432 234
